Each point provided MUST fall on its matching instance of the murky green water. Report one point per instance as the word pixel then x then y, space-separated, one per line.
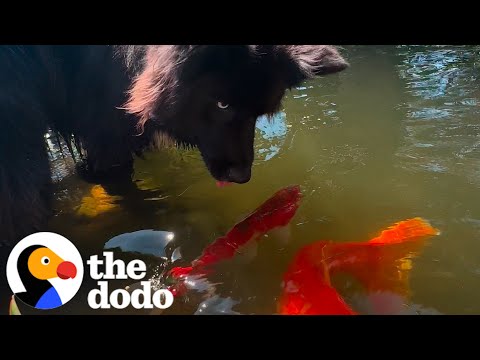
pixel 395 136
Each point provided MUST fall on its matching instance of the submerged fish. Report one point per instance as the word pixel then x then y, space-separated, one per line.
pixel 277 211
pixel 98 202
pixel 378 264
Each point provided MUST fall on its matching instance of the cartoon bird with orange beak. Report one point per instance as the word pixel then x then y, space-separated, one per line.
pixel 36 265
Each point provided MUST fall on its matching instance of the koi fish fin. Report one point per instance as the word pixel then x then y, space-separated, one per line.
pixel 307 291
pixel 381 265
pixel 403 231
pixel 384 263
pixel 306 286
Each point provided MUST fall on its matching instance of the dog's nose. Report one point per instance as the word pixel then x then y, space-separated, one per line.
pixel 239 175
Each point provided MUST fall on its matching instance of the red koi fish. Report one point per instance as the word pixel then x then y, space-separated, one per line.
pixel 376 264
pixel 277 211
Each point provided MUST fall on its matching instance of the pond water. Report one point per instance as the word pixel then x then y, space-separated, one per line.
pixel 395 136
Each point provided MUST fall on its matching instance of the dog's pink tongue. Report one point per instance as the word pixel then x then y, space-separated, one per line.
pixel 223 183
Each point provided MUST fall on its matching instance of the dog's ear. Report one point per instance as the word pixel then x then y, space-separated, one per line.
pixel 306 61
pixel 154 84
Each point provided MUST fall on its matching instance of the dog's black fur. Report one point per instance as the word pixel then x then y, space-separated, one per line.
pixel 111 102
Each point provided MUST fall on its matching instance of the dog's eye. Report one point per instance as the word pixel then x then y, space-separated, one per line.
pixel 222 105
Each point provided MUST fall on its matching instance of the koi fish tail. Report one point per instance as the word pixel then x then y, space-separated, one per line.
pixel 381 266
pixel 384 263
pixel 404 231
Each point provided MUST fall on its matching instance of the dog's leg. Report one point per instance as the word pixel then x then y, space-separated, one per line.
pixel 25 181
pixel 106 159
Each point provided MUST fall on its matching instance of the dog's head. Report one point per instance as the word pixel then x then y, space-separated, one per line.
pixel 209 96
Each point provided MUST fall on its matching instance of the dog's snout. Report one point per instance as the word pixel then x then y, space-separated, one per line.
pixel 239 175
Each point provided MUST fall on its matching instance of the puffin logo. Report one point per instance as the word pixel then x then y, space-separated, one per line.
pixel 45 270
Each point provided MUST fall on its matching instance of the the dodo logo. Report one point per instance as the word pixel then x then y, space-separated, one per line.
pixel 45 270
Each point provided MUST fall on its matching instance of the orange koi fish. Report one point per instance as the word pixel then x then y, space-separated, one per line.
pixel 376 264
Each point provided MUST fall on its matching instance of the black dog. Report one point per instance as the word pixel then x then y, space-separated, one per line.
pixel 112 102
